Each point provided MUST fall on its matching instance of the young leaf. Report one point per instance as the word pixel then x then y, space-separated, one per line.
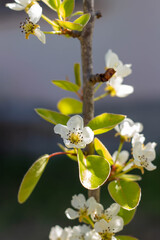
pixel 69 106
pixel 31 178
pixel 102 150
pixel 105 122
pixel 51 116
pixel 77 74
pixel 83 20
pixel 130 177
pixel 70 25
pixel 126 238
pixel 126 194
pixel 93 170
pixel 66 85
pixel 126 215
pixel 66 8
pixel 53 4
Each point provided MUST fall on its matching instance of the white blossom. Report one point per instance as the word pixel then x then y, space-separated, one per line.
pixel 79 232
pixel 108 214
pixel 122 157
pixel 92 235
pixel 58 233
pixel 138 138
pixel 127 128
pixel 75 135
pixel 112 61
pixel 84 207
pixel 144 155
pixel 30 6
pixel 29 27
pixel 116 88
pixel 106 229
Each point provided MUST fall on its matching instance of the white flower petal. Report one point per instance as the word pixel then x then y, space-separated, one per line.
pixel 15 6
pixel 35 13
pixel 75 122
pixel 124 91
pixel 111 59
pixel 55 233
pixel 116 224
pixel 91 204
pixel 150 166
pixel 128 166
pixel 112 211
pixel 62 130
pixel 88 135
pixel 123 70
pixel 40 35
pixel 101 226
pixel 78 201
pixel 71 214
pixel 98 210
pixel 138 138
pixel 122 158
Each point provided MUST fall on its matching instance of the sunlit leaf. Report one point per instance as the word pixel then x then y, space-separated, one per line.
pixel 102 150
pixel 127 215
pixel 93 170
pixel 51 116
pixel 69 106
pixel 105 122
pixel 130 177
pixel 83 20
pixel 53 4
pixel 126 194
pixel 66 8
pixel 66 85
pixel 31 178
pixel 77 74
pixel 126 238
pixel 70 25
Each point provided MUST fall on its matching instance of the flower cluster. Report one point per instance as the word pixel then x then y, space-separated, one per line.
pixel 103 223
pixel 34 11
pixel 114 85
pixel 143 155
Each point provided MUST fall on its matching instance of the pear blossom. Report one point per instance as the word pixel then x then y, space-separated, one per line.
pixel 92 235
pixel 144 155
pixel 116 88
pixel 107 229
pixel 108 214
pixel 138 138
pixel 29 27
pixel 75 135
pixel 84 207
pixel 127 128
pixel 79 232
pixel 32 8
pixel 122 157
pixel 112 61
pixel 58 233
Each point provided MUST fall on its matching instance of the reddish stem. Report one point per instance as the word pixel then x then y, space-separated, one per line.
pixel 60 153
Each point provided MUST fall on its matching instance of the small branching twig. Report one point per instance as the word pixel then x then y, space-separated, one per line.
pixel 102 77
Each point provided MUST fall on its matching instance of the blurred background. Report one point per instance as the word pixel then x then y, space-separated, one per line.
pixel 129 28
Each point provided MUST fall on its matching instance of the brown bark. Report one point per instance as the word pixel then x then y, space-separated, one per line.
pixel 87 68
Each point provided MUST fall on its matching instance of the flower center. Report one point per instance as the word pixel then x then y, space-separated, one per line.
pixel 76 136
pixel 28 27
pixel 106 235
pixel 111 90
pixel 143 160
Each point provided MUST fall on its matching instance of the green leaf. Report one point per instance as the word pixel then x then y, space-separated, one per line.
pixel 126 194
pixel 64 149
pixel 66 85
pixel 77 13
pixel 93 170
pixel 31 178
pixel 105 122
pixel 102 150
pixel 77 74
pixel 66 8
pixel 130 177
pixel 69 106
pixel 70 25
pixel 126 238
pixel 51 116
pixel 53 4
pixel 127 215
pixel 83 20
